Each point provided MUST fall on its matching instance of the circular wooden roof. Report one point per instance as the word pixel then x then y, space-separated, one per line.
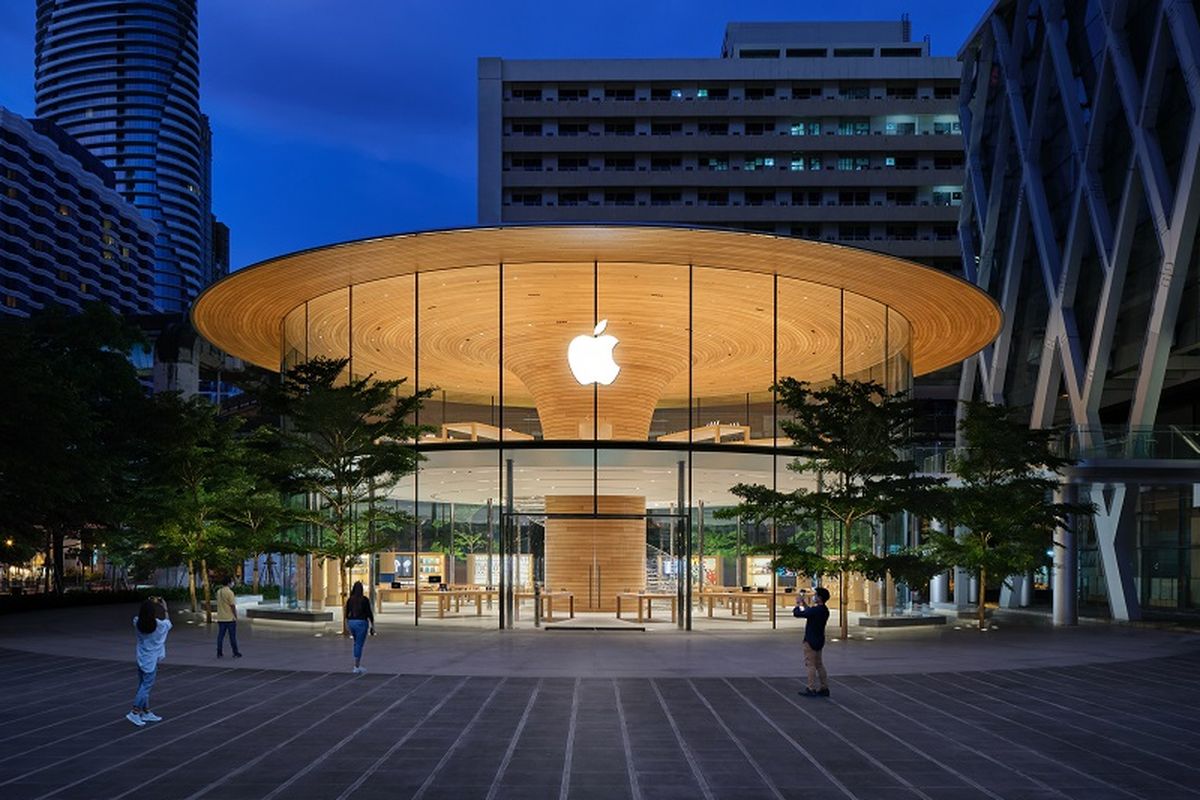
pixel 948 318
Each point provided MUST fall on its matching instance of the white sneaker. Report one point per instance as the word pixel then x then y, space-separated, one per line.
pixel 150 716
pixel 136 719
pixel 358 671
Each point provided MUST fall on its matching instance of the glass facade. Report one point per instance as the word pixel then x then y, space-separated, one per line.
pixel 587 422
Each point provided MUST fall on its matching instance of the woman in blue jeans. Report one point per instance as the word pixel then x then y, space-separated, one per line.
pixel 359 619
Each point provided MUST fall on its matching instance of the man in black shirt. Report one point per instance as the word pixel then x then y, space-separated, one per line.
pixel 815 617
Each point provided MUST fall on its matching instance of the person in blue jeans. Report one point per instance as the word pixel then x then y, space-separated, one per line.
pixel 360 618
pixel 152 624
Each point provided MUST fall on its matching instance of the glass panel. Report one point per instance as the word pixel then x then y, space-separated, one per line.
pixel 295 337
pixel 458 348
pixel 733 357
pixel 864 335
pixel 646 339
pixel 809 337
pixel 899 353
pixel 329 325
pixel 547 307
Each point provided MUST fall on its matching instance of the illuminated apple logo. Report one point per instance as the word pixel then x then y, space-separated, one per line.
pixel 591 357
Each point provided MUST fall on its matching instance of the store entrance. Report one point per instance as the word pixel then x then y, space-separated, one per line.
pixel 595 562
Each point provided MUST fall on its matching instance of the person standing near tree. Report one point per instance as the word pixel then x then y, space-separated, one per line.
pixel 227 618
pixel 815 617
pixel 360 618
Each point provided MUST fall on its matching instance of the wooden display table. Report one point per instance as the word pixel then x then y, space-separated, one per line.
pixel 645 603
pixel 547 599
pixel 710 433
pixel 740 603
pixel 457 598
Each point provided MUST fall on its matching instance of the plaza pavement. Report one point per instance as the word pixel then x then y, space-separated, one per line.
pixel 1017 713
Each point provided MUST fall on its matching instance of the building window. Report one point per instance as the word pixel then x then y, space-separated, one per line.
pixel 806 52
pixel 619 163
pixel 10 301
pixel 528 163
pixel 572 198
pixel 63 210
pixel 760 92
pixel 527 129
pixel 663 93
pixel 713 128
pixel 948 161
pixel 902 197
pixel 714 163
pixel 752 163
pixel 572 129
pixel 619 128
pixel 945 92
pixel 572 163
pixel 889 161
pixel 853 52
pixel 902 92
pixel 665 163
pixel 947 127
pixel 894 127
pixel 713 198
pixel 760 198
pixel 713 93
pixel 854 232
pixel 758 53
pixel 947 196
pixel 623 197
pixel 901 233
pixel 854 198
pixel 759 128
pixel 854 126
pixel 854 92
pixel 806 198
pixel 522 93
pixel 806 91
pixel 853 163
pixel 801 162
pixel 666 128
pixel 527 198
pixel 621 93
pixel 659 198
pixel 806 128
pixel 567 94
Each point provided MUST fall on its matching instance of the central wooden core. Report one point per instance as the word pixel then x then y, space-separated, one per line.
pixel 596 558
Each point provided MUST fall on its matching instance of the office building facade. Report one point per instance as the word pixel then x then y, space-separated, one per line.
pixel 123 78
pixel 1080 217
pixel 843 132
pixel 67 237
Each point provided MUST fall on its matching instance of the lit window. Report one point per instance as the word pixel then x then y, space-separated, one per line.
pixel 889 161
pixel 702 93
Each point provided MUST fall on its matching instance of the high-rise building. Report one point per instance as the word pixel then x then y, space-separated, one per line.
pixel 123 78
pixel 834 131
pixel 1080 217
pixel 67 237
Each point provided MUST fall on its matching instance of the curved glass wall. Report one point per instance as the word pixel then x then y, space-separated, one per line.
pixel 586 425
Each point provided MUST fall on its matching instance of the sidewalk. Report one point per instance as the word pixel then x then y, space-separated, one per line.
pixel 106 633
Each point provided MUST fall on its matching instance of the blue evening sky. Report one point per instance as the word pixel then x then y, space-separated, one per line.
pixel 339 119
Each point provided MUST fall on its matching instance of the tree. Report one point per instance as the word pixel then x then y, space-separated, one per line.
pixel 856 437
pixel 1006 473
pixel 347 441
pixel 256 513
pixel 190 484
pixel 69 417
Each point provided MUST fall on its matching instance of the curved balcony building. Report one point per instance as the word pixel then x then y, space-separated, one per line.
pixel 123 79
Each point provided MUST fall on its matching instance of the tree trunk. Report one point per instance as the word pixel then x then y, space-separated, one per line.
pixel 844 583
pixel 57 561
pixel 342 594
pixel 192 583
pixel 982 598
pixel 207 592
pixel 256 556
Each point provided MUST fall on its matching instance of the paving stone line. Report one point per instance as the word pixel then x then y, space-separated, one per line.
pixel 345 740
pixel 1044 700
pixel 737 742
pixel 1130 704
pixel 228 740
pixel 512 743
pixel 944 742
pixel 705 788
pixel 424 787
pixel 142 753
pixel 1018 743
pixel 1123 745
pixel 94 728
pixel 635 788
pixel 566 772
pixel 829 776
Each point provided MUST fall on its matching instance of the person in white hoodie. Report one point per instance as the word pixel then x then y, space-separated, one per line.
pixel 152 625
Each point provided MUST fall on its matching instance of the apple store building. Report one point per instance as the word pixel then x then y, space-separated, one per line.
pixel 597 391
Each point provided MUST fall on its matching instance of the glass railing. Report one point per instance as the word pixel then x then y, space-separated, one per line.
pixel 1158 442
